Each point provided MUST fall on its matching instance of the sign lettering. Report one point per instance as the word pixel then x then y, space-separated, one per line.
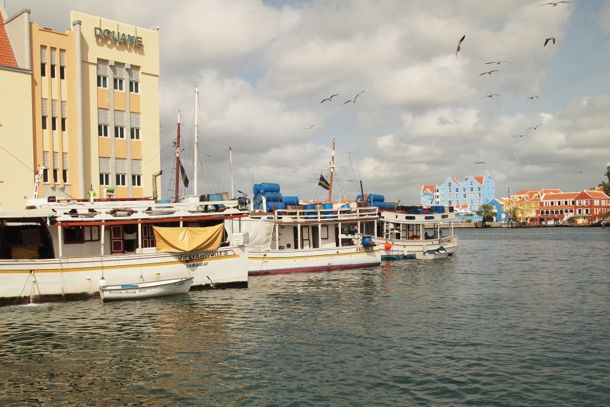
pixel 118 37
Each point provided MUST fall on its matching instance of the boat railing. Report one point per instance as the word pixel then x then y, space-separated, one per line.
pixel 326 215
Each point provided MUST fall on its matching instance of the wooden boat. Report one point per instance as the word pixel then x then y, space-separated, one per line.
pixel 407 234
pixel 152 289
pixel 433 254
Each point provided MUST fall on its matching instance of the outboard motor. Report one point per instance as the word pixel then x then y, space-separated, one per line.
pixel 243 203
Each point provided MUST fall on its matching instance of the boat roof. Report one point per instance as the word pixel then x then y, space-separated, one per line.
pixel 27 213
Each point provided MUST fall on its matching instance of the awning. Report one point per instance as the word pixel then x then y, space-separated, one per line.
pixel 188 239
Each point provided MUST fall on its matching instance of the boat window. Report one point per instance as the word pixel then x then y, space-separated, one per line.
pixel 73 234
pixel 429 217
pixel 409 217
pixel 324 232
pixel 28 240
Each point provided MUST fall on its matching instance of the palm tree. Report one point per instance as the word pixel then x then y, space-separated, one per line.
pixel 605 186
pixel 486 212
pixel 513 214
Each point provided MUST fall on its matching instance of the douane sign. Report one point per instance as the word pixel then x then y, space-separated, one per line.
pixel 118 37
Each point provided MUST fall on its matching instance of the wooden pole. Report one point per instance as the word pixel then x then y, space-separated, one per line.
pixel 177 183
pixel 332 173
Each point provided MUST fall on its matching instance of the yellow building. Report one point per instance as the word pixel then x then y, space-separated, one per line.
pixel 16 146
pixel 95 98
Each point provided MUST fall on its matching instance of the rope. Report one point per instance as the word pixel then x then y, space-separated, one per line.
pixel 23 289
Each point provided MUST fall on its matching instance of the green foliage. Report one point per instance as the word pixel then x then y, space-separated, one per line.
pixel 486 212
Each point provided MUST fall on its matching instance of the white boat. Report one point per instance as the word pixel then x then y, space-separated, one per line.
pixel 406 233
pixel 151 289
pixel 61 250
pixel 308 240
pixel 433 254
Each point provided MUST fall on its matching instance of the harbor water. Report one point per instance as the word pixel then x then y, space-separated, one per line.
pixel 519 317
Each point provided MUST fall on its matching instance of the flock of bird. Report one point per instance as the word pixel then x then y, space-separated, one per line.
pixel 548 40
pixel 330 99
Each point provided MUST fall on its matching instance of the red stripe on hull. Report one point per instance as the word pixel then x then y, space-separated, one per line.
pixel 311 269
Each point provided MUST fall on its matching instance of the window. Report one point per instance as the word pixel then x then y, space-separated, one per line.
pixel 73 234
pixel 43 69
pixel 62 72
pixel 102 81
pixel 63 124
pixel 52 71
pixel 104 178
pixel 45 175
pixel 120 179
pixel 118 84
pixel 54 174
pixel 136 180
pixel 64 175
pixel 102 130
pixel 44 122
pixel 53 123
pixel 134 87
pixel 135 133
pixel 119 131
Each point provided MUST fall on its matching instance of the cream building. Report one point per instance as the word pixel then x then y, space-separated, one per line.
pixel 16 133
pixel 95 105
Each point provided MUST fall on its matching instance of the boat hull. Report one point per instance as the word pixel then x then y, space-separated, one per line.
pixel 265 262
pixel 74 278
pixel 147 290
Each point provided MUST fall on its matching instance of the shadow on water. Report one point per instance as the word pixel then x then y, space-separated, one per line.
pixel 519 317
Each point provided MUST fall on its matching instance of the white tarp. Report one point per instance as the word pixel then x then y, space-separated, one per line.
pixel 259 232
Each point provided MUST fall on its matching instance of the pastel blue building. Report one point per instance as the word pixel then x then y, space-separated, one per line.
pixel 467 194
pixel 501 215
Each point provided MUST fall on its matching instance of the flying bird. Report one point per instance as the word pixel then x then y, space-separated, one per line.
pixel 309 128
pixel 353 100
pixel 497 62
pixel 489 72
pixel 549 40
pixel 479 162
pixel 553 3
pixel 330 98
pixel 520 135
pixel 490 95
pixel 459 45
pixel 534 127
pixel 533 97
pixel 356 97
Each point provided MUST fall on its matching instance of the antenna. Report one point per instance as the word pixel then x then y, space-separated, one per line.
pixel 231 171
pixel 332 172
pixel 196 141
pixel 177 184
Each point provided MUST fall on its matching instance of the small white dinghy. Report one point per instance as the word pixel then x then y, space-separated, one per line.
pixel 433 254
pixel 145 290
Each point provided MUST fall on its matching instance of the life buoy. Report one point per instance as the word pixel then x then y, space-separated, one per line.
pixel 387 246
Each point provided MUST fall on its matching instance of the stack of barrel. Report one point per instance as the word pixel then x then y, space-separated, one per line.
pixel 273 197
pixel 376 200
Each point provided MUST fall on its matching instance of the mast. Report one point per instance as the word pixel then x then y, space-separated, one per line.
pixel 177 184
pixel 196 141
pixel 231 172
pixel 332 173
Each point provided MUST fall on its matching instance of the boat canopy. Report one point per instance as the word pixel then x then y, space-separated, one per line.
pixel 27 213
pixel 188 239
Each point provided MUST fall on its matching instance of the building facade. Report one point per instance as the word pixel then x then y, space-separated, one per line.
pixel 94 106
pixel 467 194
pixel 16 132
pixel 585 207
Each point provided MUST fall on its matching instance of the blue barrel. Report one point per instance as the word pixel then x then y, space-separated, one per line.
pixel 345 208
pixel 256 189
pixel 290 200
pixel 273 196
pixel 358 198
pixel 438 208
pixel 376 198
pixel 327 210
pixel 272 206
pixel 269 187
pixel 216 197
pixel 310 210
pixel 367 241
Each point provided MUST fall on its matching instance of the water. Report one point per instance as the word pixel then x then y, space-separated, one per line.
pixel 520 317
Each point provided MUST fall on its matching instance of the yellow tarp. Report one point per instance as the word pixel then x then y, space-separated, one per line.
pixel 188 239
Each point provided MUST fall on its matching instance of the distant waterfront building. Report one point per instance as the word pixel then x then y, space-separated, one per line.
pixel 585 207
pixel 95 105
pixel 500 214
pixel 467 194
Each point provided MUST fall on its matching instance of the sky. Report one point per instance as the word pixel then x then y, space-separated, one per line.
pixel 423 111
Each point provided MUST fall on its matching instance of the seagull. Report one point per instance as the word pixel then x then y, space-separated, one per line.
pixel 309 128
pixel 490 95
pixel 497 62
pixel 520 135
pixel 353 100
pixel 489 72
pixel 459 45
pixel 554 3
pixel 549 40
pixel 534 127
pixel 533 97
pixel 479 162
pixel 330 98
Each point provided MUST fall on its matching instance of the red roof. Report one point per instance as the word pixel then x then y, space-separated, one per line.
pixel 556 196
pixel 479 179
pixel 7 58
pixel 596 194
pixel 431 188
